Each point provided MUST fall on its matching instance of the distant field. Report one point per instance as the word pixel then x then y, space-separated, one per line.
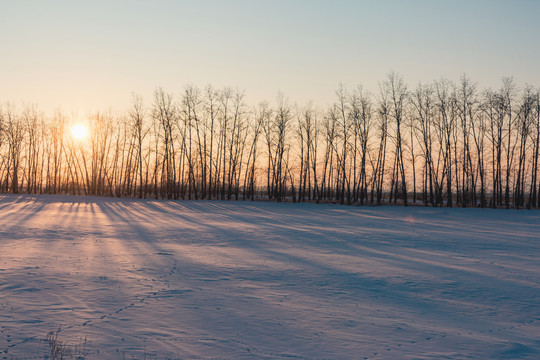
pixel 258 280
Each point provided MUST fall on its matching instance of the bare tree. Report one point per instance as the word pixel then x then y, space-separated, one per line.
pixel 140 130
pixel 14 130
pixel 397 92
pixel 533 192
pixel 446 123
pixel 165 113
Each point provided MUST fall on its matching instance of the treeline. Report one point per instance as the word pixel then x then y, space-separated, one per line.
pixel 437 144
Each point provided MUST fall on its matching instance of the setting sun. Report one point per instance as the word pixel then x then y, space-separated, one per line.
pixel 79 131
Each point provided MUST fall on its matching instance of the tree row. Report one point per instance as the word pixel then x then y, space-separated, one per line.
pixel 438 144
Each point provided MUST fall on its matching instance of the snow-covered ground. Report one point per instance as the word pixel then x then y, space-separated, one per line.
pixel 243 280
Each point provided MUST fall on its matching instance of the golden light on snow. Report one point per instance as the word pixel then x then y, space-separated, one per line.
pixel 79 131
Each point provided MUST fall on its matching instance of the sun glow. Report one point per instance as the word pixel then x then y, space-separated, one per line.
pixel 79 131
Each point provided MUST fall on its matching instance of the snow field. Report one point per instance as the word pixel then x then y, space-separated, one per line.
pixel 258 280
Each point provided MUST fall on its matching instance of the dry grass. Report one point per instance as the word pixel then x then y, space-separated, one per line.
pixel 60 350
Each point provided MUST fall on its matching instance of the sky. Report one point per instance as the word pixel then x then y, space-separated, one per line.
pixel 84 56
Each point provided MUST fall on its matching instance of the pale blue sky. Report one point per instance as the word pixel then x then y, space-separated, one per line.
pixel 91 55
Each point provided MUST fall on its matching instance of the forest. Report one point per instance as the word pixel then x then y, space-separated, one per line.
pixel 437 144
